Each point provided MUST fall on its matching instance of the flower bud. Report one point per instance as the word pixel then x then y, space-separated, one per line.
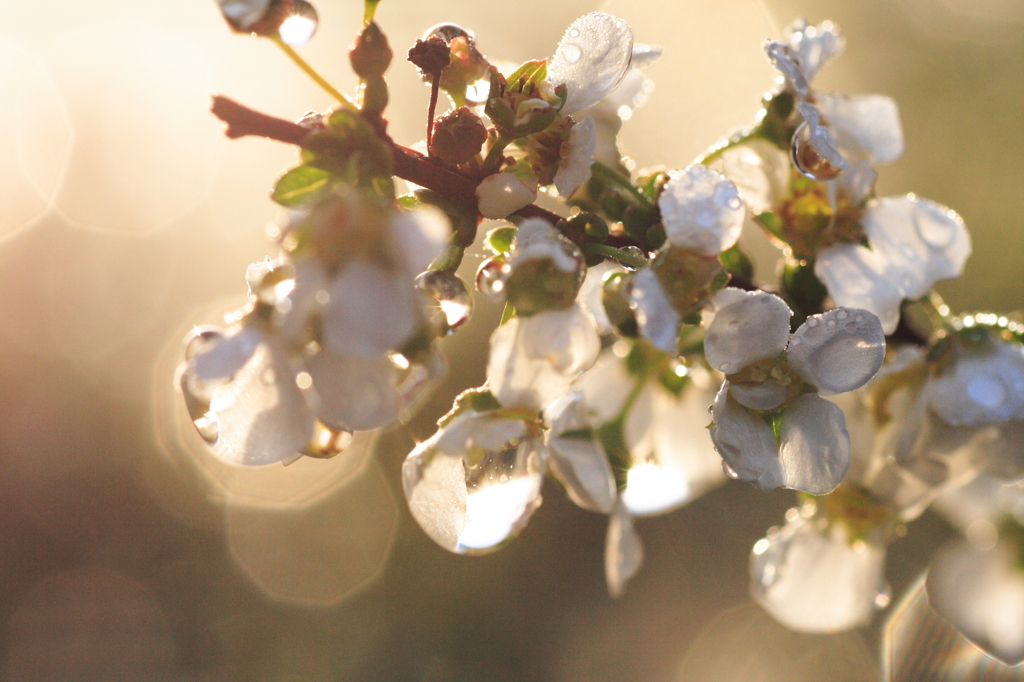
pixel 371 54
pixel 458 136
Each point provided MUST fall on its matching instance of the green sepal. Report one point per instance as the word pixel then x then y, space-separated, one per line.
pixel 773 419
pixel 299 184
pixel 612 436
pixel 476 399
pixel 737 262
pixel 530 73
pixel 499 240
pixel 771 221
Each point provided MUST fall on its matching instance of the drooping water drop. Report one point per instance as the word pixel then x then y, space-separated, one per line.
pixel 327 442
pixel 490 278
pixel 447 32
pixel 243 14
pixel 729 471
pixel 299 23
pixel 454 300
pixel 807 160
pixel 635 252
pixel 570 52
pixel 208 427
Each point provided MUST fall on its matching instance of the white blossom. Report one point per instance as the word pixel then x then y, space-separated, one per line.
pixel 591 59
pixel 623 553
pixel 502 194
pixel 701 210
pixel 656 318
pixel 576 159
pixel 983 387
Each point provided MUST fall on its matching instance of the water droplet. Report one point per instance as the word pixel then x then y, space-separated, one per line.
pixel 299 24
pixel 842 315
pixel 327 442
pixel 985 390
pixel 447 32
pixel 724 367
pixel 936 229
pixel 208 427
pixel 490 278
pixel 808 161
pixel 202 340
pixel 244 14
pixel 831 323
pixel 729 471
pixel 454 301
pixel 812 322
pixel 574 33
pixel 635 252
pixel 570 52
pixel 858 318
pixel 735 203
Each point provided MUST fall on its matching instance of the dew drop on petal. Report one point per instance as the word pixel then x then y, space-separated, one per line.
pixel 454 301
pixel 729 471
pixel 936 227
pixel 490 278
pixel 208 427
pixel 570 52
pixel 842 315
pixel 300 23
pixel 807 160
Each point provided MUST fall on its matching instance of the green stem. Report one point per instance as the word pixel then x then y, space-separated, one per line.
pixel 311 72
pixel 609 175
pixel 725 145
pixel 507 313
pixel 370 8
pixel 620 255
pixel 495 155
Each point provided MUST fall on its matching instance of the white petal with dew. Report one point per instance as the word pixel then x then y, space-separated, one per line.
pixel 701 210
pixel 786 59
pixel 355 393
pixel 370 312
pixel 747 326
pixel 766 395
pixel 537 239
pixel 760 171
pixel 577 459
pixel 623 551
pixel 981 592
pixel 501 194
pixel 979 389
pixel 921 241
pixel 745 442
pixel 656 318
pixel 223 356
pixel 839 350
pixel 578 155
pixel 418 237
pixel 263 415
pixel 814 445
pixel 435 487
pixel 534 359
pixel 869 124
pixel 590 295
pixel 820 138
pixel 817 580
pixel 591 59
pixel 857 277
pixel 815 46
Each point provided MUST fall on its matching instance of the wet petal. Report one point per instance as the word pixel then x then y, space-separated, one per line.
pixel 767 395
pixel 787 61
pixel 623 551
pixel 574 166
pixel 814 445
pixel 353 393
pixel 701 210
pixel 815 46
pixel 857 277
pixel 981 592
pixel 418 237
pixel 262 413
pixel 534 359
pixel 839 350
pixel 920 241
pixel 591 59
pixel 501 194
pixel 760 171
pixel 590 295
pixel 747 326
pixel 745 442
pixel 869 124
pixel 577 458
pixel 221 356
pixel 655 316
pixel 981 389
pixel 820 138
pixel 816 580
pixel 606 386
pixel 370 311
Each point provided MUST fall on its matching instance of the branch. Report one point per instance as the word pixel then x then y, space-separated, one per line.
pixel 408 164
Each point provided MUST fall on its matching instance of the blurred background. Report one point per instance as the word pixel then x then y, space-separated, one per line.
pixel 128 553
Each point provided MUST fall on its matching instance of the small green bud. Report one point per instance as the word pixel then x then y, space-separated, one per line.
pixel 616 303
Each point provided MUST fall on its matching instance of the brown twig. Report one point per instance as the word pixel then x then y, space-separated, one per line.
pixel 408 164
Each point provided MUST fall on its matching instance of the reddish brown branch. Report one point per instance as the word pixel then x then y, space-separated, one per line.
pixel 408 164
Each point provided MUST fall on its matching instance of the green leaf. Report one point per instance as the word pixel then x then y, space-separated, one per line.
pixel 299 184
pixel 771 222
pixel 531 72
pixel 737 262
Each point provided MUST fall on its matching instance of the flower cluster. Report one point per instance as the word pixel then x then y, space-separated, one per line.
pixel 622 314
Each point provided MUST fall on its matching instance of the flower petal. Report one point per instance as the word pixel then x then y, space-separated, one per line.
pixel 745 442
pixel 857 277
pixel 767 395
pixel 501 194
pixel 534 359
pixel 701 210
pixel 866 123
pixel 574 166
pixel 747 326
pixel 838 351
pixel 623 551
pixel 418 237
pixel 815 46
pixel 760 171
pixel 221 356
pixel 591 59
pixel 370 312
pixel 262 413
pixel 657 320
pixel 814 445
pixel 354 393
pixel 981 389
pixel 577 458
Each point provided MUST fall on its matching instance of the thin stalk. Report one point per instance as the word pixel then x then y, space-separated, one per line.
pixel 369 9
pixel 492 162
pixel 507 313
pixel 311 72
pixel 725 145
pixel 607 174
pixel 621 256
